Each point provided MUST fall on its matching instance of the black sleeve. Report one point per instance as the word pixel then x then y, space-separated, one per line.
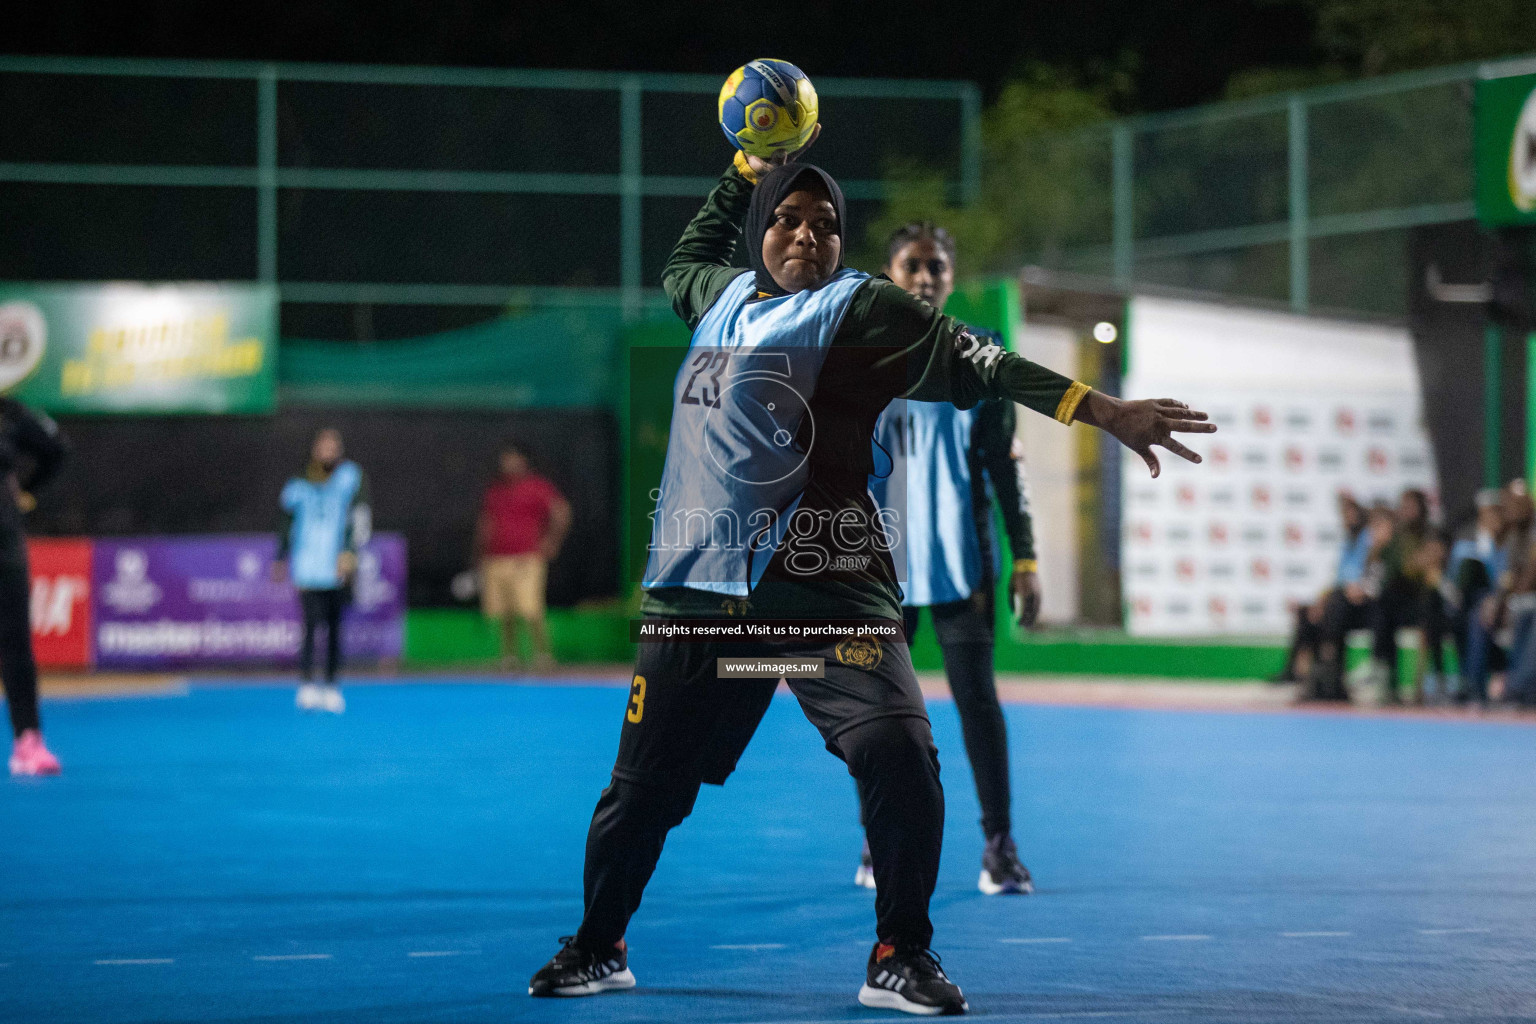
pixel 699 268
pixel 40 438
pixel 940 360
pixel 992 452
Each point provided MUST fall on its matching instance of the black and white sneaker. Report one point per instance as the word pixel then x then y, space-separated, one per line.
pixel 1001 870
pixel 910 979
pixel 864 878
pixel 576 972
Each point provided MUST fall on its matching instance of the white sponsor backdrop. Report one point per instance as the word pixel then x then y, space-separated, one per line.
pixel 1050 459
pixel 1307 408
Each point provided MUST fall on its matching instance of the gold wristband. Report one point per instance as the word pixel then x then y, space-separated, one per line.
pixel 1066 409
pixel 1025 565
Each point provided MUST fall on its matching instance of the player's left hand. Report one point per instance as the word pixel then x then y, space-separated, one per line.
pixel 1024 597
pixel 346 565
pixel 761 167
pixel 1145 422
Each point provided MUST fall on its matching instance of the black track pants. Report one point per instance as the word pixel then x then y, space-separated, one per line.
pixel 683 726
pixel 965 635
pixel 18 669
pixel 322 608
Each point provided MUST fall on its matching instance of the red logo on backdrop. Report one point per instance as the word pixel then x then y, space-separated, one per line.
pixel 1220 457
pixel 1260 496
pixel 61 601
pixel 1218 533
pixel 1263 419
pixel 1344 421
pixel 1218 607
pixel 1186 494
pixel 1143 606
pixel 1295 458
pixel 1185 569
pixel 1293 535
pixel 1259 569
pixel 1143 532
pixel 1376 459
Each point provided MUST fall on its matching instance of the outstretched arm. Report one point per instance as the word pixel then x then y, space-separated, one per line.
pixel 942 361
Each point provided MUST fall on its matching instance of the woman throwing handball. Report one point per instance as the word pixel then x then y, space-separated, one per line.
pixel 764 514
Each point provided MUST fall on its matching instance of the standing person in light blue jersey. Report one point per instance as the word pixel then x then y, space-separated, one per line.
pixel 326 518
pixel 948 465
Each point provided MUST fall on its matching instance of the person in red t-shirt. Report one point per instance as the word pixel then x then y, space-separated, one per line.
pixel 523 521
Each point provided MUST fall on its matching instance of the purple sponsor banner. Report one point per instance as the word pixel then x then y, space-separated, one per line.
pixel 162 602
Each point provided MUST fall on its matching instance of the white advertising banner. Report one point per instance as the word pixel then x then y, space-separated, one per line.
pixel 1307 408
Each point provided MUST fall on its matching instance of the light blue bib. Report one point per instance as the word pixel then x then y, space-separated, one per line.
pixel 927 495
pixel 319 534
pixel 741 434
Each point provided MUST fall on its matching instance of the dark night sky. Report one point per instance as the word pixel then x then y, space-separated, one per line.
pixel 1178 51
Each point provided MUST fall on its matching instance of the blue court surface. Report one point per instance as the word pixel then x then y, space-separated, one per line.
pixel 219 856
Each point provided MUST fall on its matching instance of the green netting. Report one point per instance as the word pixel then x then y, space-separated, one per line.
pixel 1224 173
pixel 1251 272
pixel 1306 199
pixel 1067 193
pixel 1398 150
pixel 1363 273
pixel 541 358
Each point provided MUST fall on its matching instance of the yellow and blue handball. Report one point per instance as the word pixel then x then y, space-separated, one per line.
pixel 768 107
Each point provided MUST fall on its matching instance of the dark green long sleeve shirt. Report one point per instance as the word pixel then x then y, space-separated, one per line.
pixel 890 345
pixel 992 454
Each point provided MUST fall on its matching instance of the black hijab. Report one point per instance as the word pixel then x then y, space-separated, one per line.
pixel 772 189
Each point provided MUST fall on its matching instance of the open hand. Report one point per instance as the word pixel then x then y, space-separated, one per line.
pixel 761 167
pixel 1146 422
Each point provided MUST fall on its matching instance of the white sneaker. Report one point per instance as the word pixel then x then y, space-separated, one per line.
pixel 864 878
pixel 331 700
pixel 309 698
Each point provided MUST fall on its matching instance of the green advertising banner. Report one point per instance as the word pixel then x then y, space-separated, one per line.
pixel 139 348
pixel 1506 150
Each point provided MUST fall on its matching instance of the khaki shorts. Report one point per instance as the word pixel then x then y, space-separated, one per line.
pixel 513 585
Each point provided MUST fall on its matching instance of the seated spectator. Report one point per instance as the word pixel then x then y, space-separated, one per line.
pixel 1349 608
pixel 1354 550
pixel 1406 597
pixel 1520 682
pixel 1434 618
pixel 1516 579
pixel 1476 562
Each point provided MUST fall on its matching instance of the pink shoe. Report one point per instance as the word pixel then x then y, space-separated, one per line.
pixel 30 757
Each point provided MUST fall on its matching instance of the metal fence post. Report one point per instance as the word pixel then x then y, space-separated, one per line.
pixel 1300 238
pixel 630 198
pixel 266 175
pixel 970 143
pixel 1123 177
